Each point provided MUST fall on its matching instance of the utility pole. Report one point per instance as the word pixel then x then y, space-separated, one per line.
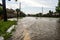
pixel 18 10
pixel 20 7
pixel 4 9
pixel 42 9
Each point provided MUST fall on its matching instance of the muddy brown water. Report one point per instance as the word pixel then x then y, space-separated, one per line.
pixel 32 28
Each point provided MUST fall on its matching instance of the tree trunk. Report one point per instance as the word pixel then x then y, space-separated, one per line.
pixel 4 9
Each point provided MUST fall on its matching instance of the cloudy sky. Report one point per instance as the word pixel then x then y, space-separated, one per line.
pixel 33 6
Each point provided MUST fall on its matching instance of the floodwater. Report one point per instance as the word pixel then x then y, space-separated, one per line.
pixel 37 28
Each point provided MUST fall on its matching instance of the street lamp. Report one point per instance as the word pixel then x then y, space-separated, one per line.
pixel 4 9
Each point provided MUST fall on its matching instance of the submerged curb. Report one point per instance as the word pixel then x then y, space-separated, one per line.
pixel 11 28
pixel 8 31
pixel 1 38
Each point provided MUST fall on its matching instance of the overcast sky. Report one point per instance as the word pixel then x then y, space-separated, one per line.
pixel 33 6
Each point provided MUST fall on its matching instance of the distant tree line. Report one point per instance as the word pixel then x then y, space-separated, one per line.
pixel 35 15
pixel 49 14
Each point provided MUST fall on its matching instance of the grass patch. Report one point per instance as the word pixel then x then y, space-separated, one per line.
pixel 5 25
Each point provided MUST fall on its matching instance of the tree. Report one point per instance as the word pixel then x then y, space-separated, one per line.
pixel 1 11
pixel 17 10
pixel 38 14
pixel 4 9
pixel 58 7
pixel 50 13
pixel 22 14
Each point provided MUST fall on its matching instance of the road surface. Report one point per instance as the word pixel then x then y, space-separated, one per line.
pixel 34 28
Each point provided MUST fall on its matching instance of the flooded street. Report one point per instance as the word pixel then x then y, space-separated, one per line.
pixel 36 28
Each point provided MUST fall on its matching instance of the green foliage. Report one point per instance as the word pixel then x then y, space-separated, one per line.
pixel 58 7
pixel 39 14
pixel 3 28
pixel 50 13
pixel 18 10
pixel 58 3
pixel 35 15
pixel 22 14
pixel 7 36
pixel 1 10
pixel 5 25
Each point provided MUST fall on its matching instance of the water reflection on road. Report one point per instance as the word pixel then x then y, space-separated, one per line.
pixel 39 28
